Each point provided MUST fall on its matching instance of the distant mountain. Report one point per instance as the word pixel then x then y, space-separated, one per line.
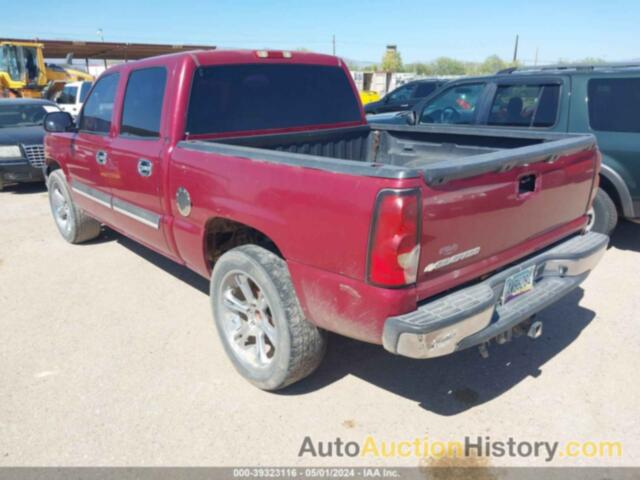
pixel 358 63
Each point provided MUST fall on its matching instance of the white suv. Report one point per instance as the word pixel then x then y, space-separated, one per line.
pixel 72 97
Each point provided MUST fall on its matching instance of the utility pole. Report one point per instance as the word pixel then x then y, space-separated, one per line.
pixel 100 34
pixel 515 50
pixel 333 41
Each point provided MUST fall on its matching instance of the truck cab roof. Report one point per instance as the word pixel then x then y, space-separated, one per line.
pixel 575 69
pixel 226 57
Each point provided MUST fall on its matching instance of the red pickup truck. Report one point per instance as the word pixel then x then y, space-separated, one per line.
pixel 258 170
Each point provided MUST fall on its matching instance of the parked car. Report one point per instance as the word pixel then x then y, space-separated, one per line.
pixel 259 171
pixel 72 97
pixel 600 99
pixel 22 139
pixel 404 97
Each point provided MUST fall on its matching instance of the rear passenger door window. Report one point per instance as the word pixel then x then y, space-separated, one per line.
pixel 98 109
pixel 142 107
pixel 525 106
pixel 614 104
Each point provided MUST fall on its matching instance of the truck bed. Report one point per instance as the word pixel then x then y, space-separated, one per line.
pixel 439 153
pixel 534 187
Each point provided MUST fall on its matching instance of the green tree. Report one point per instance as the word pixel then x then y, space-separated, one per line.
pixel 448 66
pixel 391 61
pixel 419 68
pixel 592 61
pixel 492 64
pixel 451 66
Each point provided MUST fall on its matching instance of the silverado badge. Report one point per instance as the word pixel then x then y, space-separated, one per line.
pixel 452 259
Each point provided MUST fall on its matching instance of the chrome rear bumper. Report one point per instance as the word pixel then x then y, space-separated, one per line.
pixel 473 315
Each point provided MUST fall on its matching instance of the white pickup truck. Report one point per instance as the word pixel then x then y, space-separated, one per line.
pixel 72 97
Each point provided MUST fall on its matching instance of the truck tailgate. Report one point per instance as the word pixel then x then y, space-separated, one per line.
pixel 472 225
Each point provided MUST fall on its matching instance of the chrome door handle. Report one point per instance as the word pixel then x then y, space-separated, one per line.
pixel 145 167
pixel 101 157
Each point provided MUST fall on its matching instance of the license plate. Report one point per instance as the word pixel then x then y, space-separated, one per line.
pixel 518 283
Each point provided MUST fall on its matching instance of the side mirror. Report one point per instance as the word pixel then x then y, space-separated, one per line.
pixel 411 117
pixel 58 122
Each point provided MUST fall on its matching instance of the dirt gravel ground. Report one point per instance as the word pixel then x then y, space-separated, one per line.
pixel 108 356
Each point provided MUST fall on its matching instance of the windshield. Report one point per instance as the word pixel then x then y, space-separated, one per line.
pixel 235 98
pixel 21 63
pixel 68 95
pixel 9 62
pixel 21 115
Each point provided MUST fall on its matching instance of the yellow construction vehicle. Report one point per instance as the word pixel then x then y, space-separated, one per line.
pixel 23 72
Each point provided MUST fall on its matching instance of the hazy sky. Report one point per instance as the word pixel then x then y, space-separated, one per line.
pixel 423 30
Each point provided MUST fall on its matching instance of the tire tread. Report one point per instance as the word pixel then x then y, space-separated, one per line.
pixel 307 342
pixel 606 213
pixel 84 228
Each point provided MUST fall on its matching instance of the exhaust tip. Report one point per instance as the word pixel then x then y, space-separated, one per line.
pixel 535 330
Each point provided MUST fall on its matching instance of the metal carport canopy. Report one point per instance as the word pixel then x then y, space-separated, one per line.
pixel 107 50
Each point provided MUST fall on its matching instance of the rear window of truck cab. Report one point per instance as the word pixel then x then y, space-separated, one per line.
pixel 236 98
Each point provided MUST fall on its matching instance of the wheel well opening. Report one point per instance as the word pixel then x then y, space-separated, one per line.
pixel 610 189
pixel 221 235
pixel 51 166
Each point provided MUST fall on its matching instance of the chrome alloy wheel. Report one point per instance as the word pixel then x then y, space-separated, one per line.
pixel 247 319
pixel 60 208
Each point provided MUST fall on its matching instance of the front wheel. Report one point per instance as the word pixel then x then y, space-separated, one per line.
pixel 260 321
pixel 74 225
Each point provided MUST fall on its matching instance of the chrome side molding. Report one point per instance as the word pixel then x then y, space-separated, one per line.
pixel 142 215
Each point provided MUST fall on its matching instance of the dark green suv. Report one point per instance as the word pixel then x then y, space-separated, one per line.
pixel 599 99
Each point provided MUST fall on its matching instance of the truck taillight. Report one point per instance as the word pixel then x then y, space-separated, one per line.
pixel 394 242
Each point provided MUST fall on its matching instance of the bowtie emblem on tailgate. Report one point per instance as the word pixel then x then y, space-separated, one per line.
pixel 452 259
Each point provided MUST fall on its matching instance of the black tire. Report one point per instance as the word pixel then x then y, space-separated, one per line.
pixel 79 227
pixel 300 345
pixel 605 214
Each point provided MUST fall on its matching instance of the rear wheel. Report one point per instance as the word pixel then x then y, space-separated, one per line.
pixel 74 225
pixel 259 319
pixel 603 216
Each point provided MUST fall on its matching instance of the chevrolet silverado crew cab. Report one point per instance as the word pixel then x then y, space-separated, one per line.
pixel 258 170
pixel 601 99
